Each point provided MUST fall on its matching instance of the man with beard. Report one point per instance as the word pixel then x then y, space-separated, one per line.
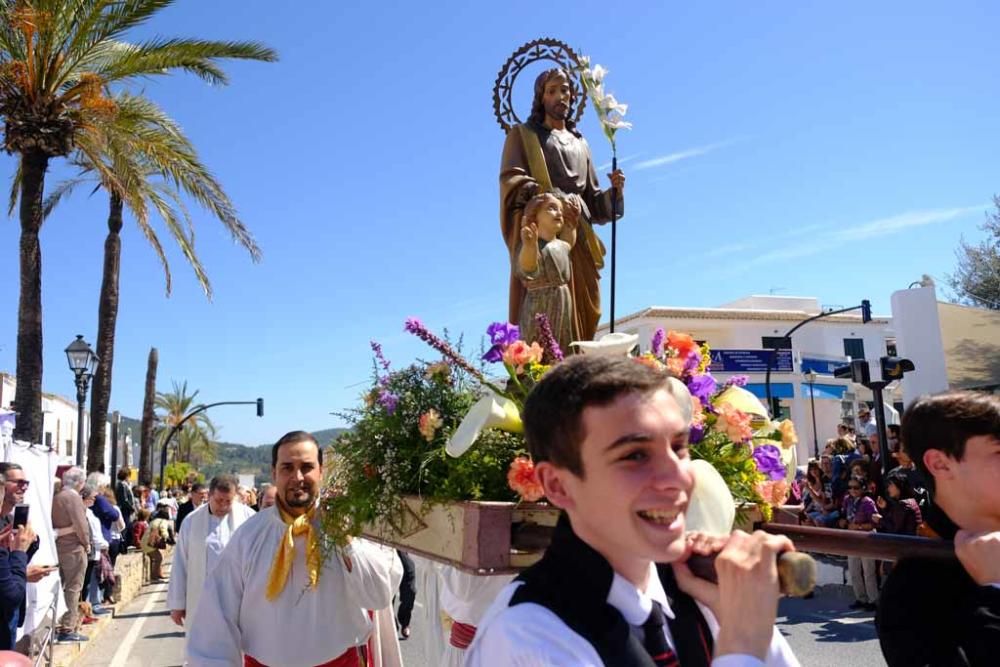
pixel 272 600
pixel 200 542
pixel 548 153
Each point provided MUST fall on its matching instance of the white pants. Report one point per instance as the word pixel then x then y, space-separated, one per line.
pixel 863 579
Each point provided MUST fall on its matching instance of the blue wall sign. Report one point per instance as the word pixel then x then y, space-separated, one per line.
pixel 822 366
pixel 750 361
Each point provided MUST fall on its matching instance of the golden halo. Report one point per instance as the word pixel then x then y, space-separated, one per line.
pixel 535 50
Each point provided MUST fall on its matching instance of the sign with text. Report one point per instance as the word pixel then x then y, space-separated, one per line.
pixel 750 361
pixel 823 366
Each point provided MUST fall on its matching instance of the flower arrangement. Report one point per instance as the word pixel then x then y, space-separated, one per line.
pixel 610 112
pixel 403 436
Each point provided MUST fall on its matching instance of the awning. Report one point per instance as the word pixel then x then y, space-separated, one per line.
pixel 831 391
pixel 778 390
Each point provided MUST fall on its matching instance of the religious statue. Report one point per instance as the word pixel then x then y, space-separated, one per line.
pixel 547 153
pixel 548 234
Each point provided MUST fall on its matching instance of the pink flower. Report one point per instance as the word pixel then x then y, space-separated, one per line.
pixel 519 353
pixel 734 423
pixel 429 423
pixel 522 479
pixel 773 493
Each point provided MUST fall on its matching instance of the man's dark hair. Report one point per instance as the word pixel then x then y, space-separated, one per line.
pixel 946 422
pixel 224 483
pixel 124 473
pixel 537 116
pixel 7 465
pixel 553 424
pixel 291 438
pixel 196 487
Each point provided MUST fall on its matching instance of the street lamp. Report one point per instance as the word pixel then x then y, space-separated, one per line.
pixel 811 379
pixel 82 361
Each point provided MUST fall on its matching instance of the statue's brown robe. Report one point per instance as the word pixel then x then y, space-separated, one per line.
pixel 571 170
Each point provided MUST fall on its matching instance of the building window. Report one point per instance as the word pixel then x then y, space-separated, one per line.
pixel 890 347
pixel 854 348
pixel 48 440
pixel 69 448
pixel 776 343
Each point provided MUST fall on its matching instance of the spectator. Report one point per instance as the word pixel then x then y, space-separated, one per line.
pixel 407 594
pixel 899 513
pixel 126 503
pixel 170 501
pixel 913 475
pixel 194 501
pixel 893 438
pixel 91 579
pixel 69 520
pixel 140 526
pixel 14 489
pixel 117 548
pixel 865 448
pixel 14 545
pixel 268 496
pixel 939 612
pixel 819 506
pixel 866 422
pixel 101 507
pixel 857 514
pixel 156 538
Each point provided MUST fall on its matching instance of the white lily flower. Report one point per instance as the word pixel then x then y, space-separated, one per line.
pixel 584 61
pixel 613 105
pixel 616 122
pixel 599 73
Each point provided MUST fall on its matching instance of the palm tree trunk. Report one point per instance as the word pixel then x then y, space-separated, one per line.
pixel 107 317
pixel 29 310
pixel 148 418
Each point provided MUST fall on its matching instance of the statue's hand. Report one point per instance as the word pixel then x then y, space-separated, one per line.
pixel 529 233
pixel 618 179
pixel 527 192
pixel 571 213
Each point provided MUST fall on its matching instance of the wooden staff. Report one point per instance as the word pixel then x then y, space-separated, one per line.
pixel 863 545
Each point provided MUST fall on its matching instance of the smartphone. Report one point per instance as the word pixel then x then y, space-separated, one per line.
pixel 20 516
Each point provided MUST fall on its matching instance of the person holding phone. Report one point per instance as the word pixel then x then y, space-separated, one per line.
pixel 14 544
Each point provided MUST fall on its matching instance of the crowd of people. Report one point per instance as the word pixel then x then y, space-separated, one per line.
pixel 847 488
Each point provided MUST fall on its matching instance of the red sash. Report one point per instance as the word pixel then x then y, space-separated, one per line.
pixel 462 635
pixel 350 658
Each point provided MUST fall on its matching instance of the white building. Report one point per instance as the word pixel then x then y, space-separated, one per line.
pixel 59 422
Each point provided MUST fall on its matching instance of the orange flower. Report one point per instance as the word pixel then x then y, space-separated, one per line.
pixel 734 423
pixel 773 493
pixel 522 479
pixel 519 353
pixel 683 343
pixel 651 361
pixel 697 411
pixel 429 423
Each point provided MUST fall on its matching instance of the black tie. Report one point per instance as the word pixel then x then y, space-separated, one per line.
pixel 655 641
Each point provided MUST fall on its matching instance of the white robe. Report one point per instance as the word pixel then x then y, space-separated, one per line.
pixel 191 563
pixel 302 627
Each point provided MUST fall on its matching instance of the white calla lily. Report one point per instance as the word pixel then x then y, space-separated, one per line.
pixel 612 344
pixel 598 73
pixel 491 411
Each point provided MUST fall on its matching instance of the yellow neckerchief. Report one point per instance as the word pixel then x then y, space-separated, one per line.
pixel 285 555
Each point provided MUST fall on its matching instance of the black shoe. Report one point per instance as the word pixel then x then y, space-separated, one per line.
pixel 871 606
pixel 858 604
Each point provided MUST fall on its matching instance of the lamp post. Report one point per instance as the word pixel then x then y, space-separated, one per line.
pixel 82 361
pixel 811 379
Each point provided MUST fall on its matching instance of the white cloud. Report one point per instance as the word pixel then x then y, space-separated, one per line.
pixel 671 158
pixel 621 161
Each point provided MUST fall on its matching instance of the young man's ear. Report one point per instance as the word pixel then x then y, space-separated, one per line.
pixel 939 464
pixel 551 478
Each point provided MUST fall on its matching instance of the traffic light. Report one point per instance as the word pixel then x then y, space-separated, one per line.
pixel 260 407
pixel 857 372
pixel 866 311
pixel 893 368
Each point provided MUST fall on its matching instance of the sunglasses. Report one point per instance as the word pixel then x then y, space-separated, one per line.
pixel 853 487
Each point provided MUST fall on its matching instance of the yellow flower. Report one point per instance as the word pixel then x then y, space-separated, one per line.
pixel 788 436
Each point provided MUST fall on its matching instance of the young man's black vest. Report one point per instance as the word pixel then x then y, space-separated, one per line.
pixel 572 581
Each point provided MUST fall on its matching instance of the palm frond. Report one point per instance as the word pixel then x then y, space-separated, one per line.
pixel 63 189
pixel 15 190
pixel 196 56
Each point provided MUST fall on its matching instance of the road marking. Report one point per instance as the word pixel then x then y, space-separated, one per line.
pixel 121 655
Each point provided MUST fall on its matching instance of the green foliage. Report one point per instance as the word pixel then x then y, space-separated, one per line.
pixel 385 456
pixel 734 461
pixel 976 280
pixel 178 473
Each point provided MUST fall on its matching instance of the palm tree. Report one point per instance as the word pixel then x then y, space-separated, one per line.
pixel 58 60
pixel 141 159
pixel 148 420
pixel 198 432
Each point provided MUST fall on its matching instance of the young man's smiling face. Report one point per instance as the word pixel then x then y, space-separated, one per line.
pixel 629 504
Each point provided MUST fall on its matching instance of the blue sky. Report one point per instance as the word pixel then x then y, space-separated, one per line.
pixel 837 150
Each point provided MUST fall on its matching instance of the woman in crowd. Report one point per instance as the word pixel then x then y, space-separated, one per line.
pixel 98 545
pixel 899 513
pixel 154 539
pixel 856 514
pixel 117 547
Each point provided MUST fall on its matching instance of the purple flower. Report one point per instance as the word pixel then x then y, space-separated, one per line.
pixel 503 333
pixel 768 461
pixel 657 345
pixel 553 353
pixel 388 400
pixel 702 386
pixel 692 362
pixel 696 434
pixel 377 349
pixel 417 328
pixel 736 381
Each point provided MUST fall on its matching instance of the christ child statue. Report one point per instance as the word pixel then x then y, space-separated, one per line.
pixel 542 262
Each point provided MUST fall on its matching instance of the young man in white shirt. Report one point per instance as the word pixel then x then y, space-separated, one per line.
pixel 609 439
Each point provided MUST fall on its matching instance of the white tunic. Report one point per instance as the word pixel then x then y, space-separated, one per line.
pixel 529 635
pixel 302 627
pixel 202 538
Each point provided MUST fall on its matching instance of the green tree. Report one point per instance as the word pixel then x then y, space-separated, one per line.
pixel 976 280
pixel 58 62
pixel 148 423
pixel 141 160
pixel 196 439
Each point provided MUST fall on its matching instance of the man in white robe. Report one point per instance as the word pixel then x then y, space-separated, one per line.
pixel 204 534
pixel 271 601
